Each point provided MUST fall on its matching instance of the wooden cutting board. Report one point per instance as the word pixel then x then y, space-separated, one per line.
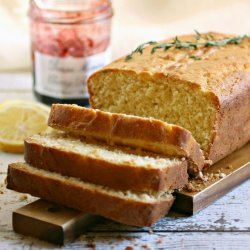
pixel 222 177
pixel 51 222
pixel 59 225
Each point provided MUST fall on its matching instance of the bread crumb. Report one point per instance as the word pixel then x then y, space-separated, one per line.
pixel 146 246
pixel 159 241
pixel 190 187
pixel 208 162
pixel 23 197
pixel 2 187
pixel 129 248
pixel 222 175
pixel 202 177
pixel 91 245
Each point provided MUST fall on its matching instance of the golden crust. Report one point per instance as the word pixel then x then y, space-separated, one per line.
pixel 146 133
pixel 102 172
pixel 131 212
pixel 233 125
pixel 223 73
pixel 217 64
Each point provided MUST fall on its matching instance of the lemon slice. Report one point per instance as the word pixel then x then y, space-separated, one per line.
pixel 18 120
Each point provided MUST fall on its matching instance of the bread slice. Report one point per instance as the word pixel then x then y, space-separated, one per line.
pixel 210 96
pixel 98 163
pixel 137 209
pixel 145 133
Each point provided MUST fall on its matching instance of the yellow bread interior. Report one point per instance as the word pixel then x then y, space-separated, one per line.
pixel 119 156
pixel 155 96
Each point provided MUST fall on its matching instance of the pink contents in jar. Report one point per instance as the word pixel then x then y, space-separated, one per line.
pixel 70 40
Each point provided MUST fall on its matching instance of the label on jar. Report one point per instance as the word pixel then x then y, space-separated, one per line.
pixel 66 77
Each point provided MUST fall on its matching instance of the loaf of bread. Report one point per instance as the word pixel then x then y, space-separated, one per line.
pixel 141 133
pixel 137 209
pixel 205 90
pixel 114 167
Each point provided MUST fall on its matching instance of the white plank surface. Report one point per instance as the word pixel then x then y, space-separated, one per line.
pixel 223 225
pixel 138 241
pixel 230 213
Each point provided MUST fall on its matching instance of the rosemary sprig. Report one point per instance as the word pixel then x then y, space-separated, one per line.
pixel 139 49
pixel 197 35
pixel 177 44
pixel 224 42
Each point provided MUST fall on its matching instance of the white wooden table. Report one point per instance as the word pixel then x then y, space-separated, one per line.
pixel 223 225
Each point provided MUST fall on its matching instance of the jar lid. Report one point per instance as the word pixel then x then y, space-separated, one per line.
pixel 70 5
pixel 70 11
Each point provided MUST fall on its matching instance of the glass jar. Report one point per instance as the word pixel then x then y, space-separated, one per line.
pixel 70 40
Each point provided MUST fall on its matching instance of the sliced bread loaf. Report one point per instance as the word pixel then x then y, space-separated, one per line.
pixel 138 209
pixel 205 90
pixel 145 133
pixel 115 167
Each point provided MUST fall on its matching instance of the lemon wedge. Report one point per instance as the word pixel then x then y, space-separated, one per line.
pixel 18 120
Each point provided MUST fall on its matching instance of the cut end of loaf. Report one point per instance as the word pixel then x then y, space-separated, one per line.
pixel 156 96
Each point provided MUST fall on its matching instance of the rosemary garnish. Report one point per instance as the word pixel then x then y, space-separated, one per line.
pixel 198 35
pixel 139 49
pixel 177 44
